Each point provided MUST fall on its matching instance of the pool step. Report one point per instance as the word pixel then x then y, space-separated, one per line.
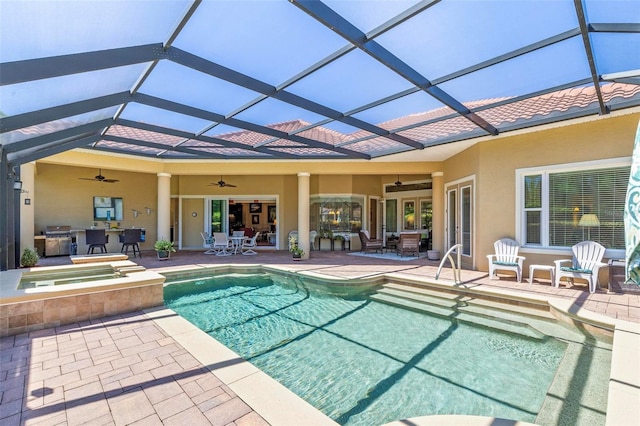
pixel 537 318
pixel 72 280
pixel 455 309
pixel 516 310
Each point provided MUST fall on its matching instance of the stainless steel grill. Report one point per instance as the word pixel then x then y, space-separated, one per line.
pixel 58 240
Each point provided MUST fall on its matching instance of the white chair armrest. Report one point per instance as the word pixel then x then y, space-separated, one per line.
pixel 561 261
pixel 490 257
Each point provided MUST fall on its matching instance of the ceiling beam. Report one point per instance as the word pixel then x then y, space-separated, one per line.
pixel 222 143
pixel 57 66
pixel 158 146
pixel 325 15
pixel 588 50
pixel 614 28
pixel 15 122
pixel 72 132
pixel 52 149
pixel 211 116
pixel 509 55
pixel 211 68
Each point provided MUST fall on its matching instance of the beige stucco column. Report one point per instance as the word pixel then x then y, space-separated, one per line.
pixel 437 194
pixel 27 176
pixel 303 213
pixel 164 206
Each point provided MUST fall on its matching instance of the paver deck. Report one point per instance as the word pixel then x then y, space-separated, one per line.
pixel 128 370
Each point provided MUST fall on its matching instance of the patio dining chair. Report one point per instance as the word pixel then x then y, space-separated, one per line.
pixel 505 258
pixel 249 244
pixel 208 242
pixel 221 243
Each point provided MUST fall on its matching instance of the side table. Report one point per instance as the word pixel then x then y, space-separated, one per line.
pixel 392 244
pixel 551 269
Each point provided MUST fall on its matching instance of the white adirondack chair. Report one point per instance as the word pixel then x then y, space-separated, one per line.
pixel 585 264
pixel 505 258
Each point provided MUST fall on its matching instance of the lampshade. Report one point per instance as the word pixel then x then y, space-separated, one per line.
pixel 17 185
pixel 589 220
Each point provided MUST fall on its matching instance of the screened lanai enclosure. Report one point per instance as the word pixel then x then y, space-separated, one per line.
pixel 291 80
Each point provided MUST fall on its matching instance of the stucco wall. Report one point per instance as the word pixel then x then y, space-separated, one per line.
pixel 495 163
pixel 61 198
pixel 192 226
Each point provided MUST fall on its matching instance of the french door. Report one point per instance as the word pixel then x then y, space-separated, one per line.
pixel 460 218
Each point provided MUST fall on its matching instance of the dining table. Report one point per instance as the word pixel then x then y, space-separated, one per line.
pixel 236 242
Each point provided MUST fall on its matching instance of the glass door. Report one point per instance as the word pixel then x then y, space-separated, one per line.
pixel 409 215
pixel 426 219
pixel 465 220
pixel 218 219
pixel 460 219
pixel 452 218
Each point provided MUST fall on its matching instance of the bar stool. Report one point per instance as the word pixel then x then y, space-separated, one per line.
pixel 131 239
pixel 96 238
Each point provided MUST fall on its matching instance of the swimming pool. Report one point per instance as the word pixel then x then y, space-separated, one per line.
pixel 361 361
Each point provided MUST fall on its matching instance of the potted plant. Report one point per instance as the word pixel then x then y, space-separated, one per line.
pixel 29 258
pixel 164 249
pixel 296 251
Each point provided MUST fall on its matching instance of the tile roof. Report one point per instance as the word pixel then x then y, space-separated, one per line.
pixel 430 127
pixel 530 108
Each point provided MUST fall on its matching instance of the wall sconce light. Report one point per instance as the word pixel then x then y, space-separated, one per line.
pixel 148 210
pixel 17 185
pixel 135 213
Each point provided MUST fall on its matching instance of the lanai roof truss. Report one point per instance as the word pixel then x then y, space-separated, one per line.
pixel 114 120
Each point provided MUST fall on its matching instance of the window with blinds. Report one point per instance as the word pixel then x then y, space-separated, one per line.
pixel 575 206
pixel 391 212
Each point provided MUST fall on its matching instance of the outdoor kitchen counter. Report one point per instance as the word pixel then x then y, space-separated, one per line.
pixel 113 246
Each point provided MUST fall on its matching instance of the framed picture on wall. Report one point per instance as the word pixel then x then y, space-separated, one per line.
pixel 271 214
pixel 255 219
pixel 107 208
pixel 255 207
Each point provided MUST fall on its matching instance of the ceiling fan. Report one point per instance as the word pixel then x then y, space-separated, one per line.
pixel 100 178
pixel 398 183
pixel 222 184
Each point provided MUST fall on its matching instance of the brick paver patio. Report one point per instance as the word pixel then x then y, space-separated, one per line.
pixel 120 370
pixel 126 370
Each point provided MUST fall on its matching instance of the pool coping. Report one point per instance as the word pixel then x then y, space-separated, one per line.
pixel 624 382
pixel 262 393
pixel 132 276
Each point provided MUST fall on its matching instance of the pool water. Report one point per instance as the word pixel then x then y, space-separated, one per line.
pixel 73 276
pixel 364 362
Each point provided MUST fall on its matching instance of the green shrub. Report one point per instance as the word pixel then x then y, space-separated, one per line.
pixel 164 245
pixel 29 258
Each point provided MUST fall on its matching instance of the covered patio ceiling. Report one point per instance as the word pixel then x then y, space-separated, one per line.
pixel 191 79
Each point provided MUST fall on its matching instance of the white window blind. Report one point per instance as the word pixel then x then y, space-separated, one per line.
pixel 572 195
pixel 563 208
pixel 533 209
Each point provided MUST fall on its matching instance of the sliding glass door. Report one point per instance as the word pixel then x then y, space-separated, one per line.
pixel 218 219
